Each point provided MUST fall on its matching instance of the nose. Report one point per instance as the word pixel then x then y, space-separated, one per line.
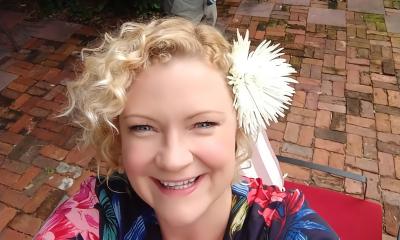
pixel 174 154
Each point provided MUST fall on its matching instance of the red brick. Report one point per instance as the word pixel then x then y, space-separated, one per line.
pixel 369 148
pixel 354 145
pixel 336 160
pixel 321 156
pixel 386 164
pixel 326 88
pixel 390 184
pixel 373 191
pixel 397 166
pixel 352 186
pixel 276 147
pixel 362 122
pixel 259 35
pixel 329 145
pixel 82 156
pixel 380 96
pixel 329 60
pixel 39 112
pixel 389 138
pixel 365 132
pixel 50 125
pixel 323 119
pixel 26 224
pixel 279 126
pixel 332 107
pixel 395 124
pixel 53 152
pixel 37 72
pixel 366 164
pixel 9 233
pixel 5 148
pixel 21 100
pixel 353 76
pixel 295 172
pixel 394 98
pixel 299 39
pixel 25 122
pixel 253 28
pixel 306 136
pixel 50 105
pixel 292 132
pixel 13 198
pixel 51 74
pixel 17 87
pixel 311 101
pixel 316 72
pixel 382 122
pixel 301 119
pixel 19 67
pixel 55 180
pixel 358 88
pixel 272 135
pixel 7 214
pixel 340 62
pixel 43 134
pixel 30 103
pixel 10 137
pixel 37 200
pixel 383 78
pixel 27 178
pixel 299 99
pixel 305 69
pixel 338 89
pixel 8 178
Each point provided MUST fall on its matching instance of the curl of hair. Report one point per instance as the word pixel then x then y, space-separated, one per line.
pixel 98 96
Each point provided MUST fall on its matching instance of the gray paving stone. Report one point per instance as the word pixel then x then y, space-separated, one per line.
pixel 54 30
pixel 255 9
pixel 330 17
pixel 5 79
pixel 392 21
pixel 366 6
pixel 297 2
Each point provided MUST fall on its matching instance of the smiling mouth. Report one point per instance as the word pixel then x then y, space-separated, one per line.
pixel 178 185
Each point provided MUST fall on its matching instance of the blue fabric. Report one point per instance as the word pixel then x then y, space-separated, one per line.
pixel 269 214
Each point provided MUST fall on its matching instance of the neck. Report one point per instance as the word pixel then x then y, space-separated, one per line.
pixel 211 225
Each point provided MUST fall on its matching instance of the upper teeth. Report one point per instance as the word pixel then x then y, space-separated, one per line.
pixel 173 184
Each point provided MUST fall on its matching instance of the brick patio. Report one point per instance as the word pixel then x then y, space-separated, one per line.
pixel 345 113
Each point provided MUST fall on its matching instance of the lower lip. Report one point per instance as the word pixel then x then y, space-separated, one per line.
pixel 179 192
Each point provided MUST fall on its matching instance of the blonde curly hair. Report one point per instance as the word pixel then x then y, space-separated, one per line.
pixel 98 96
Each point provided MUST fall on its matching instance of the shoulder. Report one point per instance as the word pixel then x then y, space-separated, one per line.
pixel 77 217
pixel 285 213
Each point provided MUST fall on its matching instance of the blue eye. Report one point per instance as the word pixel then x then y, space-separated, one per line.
pixel 205 124
pixel 141 128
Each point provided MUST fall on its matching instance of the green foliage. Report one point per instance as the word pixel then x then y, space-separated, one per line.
pixel 87 9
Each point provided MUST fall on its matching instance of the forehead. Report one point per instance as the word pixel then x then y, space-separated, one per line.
pixel 185 83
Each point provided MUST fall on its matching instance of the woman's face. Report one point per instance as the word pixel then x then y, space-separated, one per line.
pixel 178 138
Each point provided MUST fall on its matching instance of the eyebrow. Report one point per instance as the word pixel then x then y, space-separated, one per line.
pixel 187 118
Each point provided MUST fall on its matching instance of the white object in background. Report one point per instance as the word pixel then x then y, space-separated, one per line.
pixel 264 165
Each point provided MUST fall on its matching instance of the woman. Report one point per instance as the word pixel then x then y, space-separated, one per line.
pixel 156 103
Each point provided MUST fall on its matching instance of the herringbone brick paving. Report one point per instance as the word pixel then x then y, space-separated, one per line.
pixel 345 113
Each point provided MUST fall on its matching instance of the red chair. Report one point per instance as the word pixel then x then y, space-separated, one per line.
pixel 350 217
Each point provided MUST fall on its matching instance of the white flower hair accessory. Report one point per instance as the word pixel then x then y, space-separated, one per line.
pixel 261 84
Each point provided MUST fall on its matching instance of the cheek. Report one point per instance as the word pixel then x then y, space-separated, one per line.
pixel 217 153
pixel 136 156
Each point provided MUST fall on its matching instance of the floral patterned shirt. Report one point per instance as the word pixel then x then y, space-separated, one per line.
pixel 115 211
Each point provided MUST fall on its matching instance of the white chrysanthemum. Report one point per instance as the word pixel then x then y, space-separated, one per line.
pixel 261 84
